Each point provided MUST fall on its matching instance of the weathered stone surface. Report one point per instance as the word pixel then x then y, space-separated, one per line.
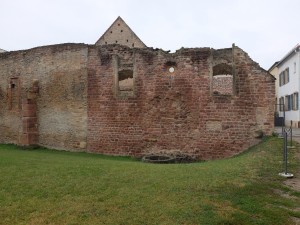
pixel 169 107
pixel 80 104
pixel 56 78
pixel 214 125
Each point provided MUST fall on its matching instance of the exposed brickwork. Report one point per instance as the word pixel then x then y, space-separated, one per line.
pixel 80 104
pixel 29 122
pixel 177 111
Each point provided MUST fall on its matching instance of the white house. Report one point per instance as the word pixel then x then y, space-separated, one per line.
pixel 289 86
pixel 1 50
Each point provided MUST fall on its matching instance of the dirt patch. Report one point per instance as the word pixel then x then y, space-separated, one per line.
pixel 293 183
pixel 284 194
pixel 296 220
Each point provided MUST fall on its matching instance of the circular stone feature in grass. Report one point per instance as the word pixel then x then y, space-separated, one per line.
pixel 158 159
pixel 169 158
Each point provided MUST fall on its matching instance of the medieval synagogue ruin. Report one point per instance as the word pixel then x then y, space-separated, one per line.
pixel 120 97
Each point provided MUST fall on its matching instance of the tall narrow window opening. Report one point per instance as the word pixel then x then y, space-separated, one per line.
pixel 296 101
pixel 281 102
pixel 125 82
pixel 287 103
pixel 14 94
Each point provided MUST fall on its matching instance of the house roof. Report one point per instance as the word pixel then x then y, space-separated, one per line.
pixel 289 54
pixel 273 66
pixel 127 37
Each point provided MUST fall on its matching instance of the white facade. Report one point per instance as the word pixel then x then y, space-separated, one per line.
pixel 1 50
pixel 289 86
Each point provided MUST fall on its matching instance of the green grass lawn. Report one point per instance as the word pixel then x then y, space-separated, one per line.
pixel 55 187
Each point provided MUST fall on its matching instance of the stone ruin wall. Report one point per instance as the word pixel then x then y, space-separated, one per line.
pixel 176 111
pixel 59 114
pixel 80 107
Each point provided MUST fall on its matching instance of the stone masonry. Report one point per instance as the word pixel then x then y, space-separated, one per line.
pixel 71 96
pixel 51 107
pixel 120 33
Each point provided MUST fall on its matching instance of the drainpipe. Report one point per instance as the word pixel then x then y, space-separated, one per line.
pixel 298 74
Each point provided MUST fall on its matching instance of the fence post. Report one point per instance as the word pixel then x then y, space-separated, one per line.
pixel 285 153
pixel 285 158
pixel 291 133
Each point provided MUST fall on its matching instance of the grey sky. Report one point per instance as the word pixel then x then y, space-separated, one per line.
pixel 266 29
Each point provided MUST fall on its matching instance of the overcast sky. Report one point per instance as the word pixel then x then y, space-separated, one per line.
pixel 266 29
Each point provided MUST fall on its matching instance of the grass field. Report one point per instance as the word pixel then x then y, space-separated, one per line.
pixel 54 187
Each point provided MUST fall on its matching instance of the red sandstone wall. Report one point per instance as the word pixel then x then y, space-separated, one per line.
pixel 176 111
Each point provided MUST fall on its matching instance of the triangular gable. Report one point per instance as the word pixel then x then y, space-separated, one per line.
pixel 120 33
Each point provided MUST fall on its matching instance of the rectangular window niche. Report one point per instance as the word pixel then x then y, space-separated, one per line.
pixel 14 94
pixel 124 79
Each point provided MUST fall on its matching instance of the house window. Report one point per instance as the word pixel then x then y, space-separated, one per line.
pixel 280 79
pixel 295 66
pixel 291 102
pixel 287 76
pixel 295 101
pixel 281 102
pixel 287 105
pixel 284 77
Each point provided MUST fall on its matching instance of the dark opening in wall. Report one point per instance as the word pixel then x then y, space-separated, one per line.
pixel 170 67
pixel 170 64
pixel 14 94
pixel 222 80
pixel 222 68
pixel 125 81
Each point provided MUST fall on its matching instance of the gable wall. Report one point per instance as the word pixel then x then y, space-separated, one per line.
pixel 120 33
